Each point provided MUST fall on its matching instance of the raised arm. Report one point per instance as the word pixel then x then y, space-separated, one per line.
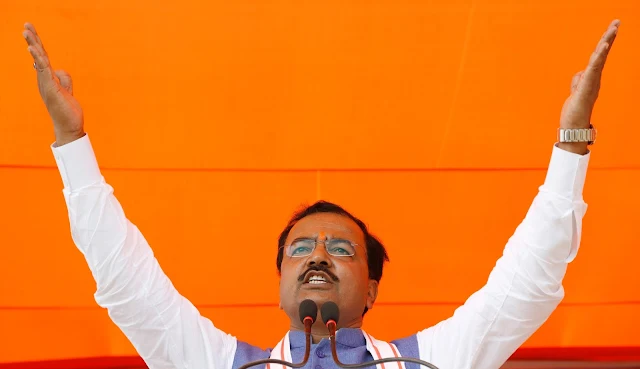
pixel 164 327
pixel 525 285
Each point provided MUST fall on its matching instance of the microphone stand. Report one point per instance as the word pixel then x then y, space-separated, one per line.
pixel 331 324
pixel 308 321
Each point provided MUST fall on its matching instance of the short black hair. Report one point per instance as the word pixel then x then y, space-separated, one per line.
pixel 376 253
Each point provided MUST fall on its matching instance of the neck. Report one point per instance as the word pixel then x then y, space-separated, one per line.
pixel 317 337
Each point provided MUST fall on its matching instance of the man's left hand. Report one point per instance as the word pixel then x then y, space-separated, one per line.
pixel 585 86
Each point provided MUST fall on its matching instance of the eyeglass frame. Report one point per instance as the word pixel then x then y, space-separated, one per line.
pixel 315 244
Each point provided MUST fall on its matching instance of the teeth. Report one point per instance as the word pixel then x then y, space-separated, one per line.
pixel 316 279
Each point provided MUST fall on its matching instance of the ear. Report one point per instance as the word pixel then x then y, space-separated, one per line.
pixel 372 293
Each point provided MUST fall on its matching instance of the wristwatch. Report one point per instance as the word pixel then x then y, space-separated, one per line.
pixel 587 135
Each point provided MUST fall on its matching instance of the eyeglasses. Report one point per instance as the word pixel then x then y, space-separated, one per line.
pixel 335 247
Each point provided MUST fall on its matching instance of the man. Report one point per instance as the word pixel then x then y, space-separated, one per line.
pixel 325 254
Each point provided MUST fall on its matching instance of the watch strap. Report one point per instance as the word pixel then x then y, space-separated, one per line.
pixel 587 135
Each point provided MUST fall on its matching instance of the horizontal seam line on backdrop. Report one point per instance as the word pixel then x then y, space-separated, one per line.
pixel 275 305
pixel 313 170
pixel 528 357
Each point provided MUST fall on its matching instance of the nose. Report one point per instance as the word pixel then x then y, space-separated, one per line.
pixel 320 254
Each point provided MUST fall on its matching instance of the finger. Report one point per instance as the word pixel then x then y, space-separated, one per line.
pixel 609 35
pixel 28 26
pixel 616 24
pixel 65 80
pixel 42 63
pixel 599 56
pixel 31 41
pixel 590 81
pixel 593 72
pixel 39 55
pixel 575 81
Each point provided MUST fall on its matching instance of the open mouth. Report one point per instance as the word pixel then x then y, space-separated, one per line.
pixel 315 277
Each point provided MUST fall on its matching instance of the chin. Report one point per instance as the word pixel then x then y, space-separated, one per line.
pixel 318 296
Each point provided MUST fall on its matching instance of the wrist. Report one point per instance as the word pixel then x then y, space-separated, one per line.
pixel 580 148
pixel 576 140
pixel 67 137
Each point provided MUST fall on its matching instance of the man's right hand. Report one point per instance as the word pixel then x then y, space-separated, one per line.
pixel 56 90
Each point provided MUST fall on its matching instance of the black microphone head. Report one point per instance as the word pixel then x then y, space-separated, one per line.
pixel 308 308
pixel 330 311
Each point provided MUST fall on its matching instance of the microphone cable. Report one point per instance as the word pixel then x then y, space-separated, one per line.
pixel 308 311
pixel 330 314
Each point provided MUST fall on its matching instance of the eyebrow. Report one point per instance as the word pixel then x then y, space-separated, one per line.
pixel 328 238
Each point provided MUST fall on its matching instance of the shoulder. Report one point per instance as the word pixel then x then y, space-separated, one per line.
pixel 408 346
pixel 246 353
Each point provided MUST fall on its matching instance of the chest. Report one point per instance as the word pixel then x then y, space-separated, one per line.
pixel 320 356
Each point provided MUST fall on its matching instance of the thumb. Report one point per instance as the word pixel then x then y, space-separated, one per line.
pixel 575 81
pixel 65 80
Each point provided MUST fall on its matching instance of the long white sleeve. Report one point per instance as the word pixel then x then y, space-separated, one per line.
pixel 525 286
pixel 164 327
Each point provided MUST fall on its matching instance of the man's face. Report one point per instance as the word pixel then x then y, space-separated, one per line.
pixel 346 278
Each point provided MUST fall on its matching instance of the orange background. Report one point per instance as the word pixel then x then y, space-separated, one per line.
pixel 431 120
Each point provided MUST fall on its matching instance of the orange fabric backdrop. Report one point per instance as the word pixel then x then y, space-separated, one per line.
pixel 433 121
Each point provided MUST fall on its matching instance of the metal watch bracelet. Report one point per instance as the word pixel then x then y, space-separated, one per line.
pixel 587 135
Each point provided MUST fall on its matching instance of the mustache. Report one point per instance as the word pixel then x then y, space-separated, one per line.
pixel 318 268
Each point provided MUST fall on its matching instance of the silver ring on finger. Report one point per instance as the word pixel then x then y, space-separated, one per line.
pixel 34 66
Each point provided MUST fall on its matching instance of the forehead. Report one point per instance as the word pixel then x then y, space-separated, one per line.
pixel 330 224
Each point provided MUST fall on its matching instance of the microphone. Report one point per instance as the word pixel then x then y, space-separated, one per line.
pixel 330 314
pixel 308 311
